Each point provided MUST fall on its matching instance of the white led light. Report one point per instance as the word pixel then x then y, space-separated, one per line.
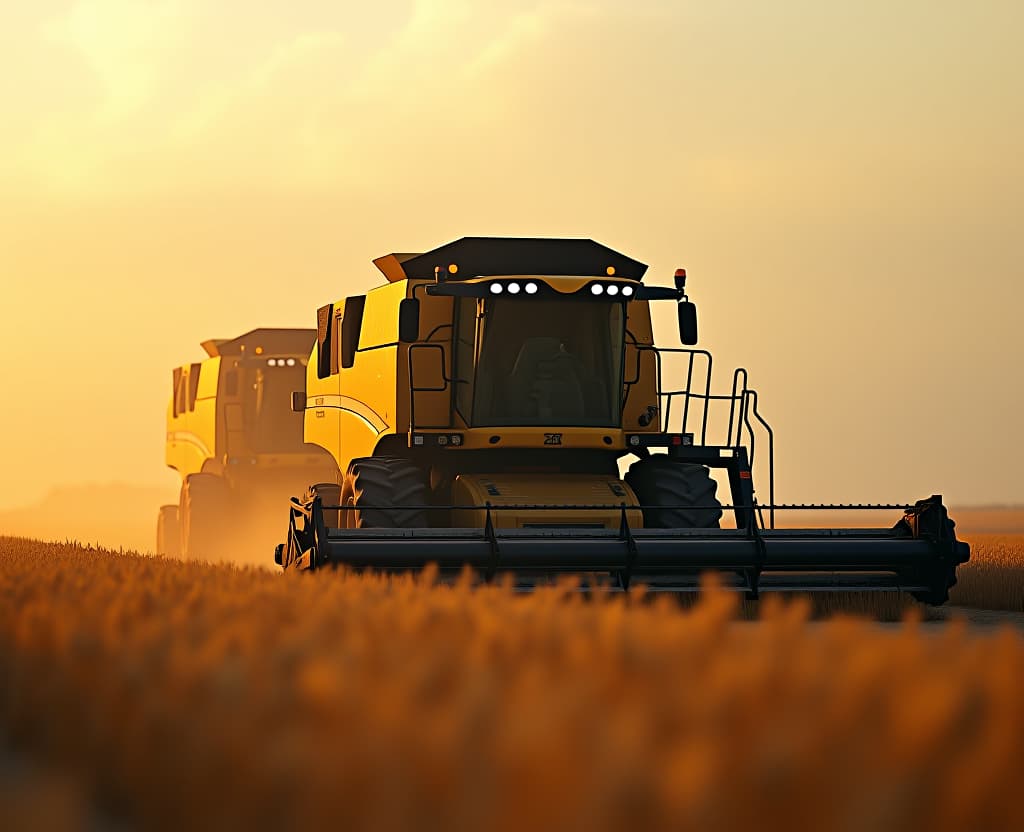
pixel 613 290
pixel 272 362
pixel 627 291
pixel 497 288
pixel 597 289
pixel 531 288
pixel 291 362
pixel 513 288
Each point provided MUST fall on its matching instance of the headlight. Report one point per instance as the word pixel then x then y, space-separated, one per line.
pixel 513 288
pixel 497 288
pixel 531 288
pixel 627 291
pixel 613 290
pixel 597 289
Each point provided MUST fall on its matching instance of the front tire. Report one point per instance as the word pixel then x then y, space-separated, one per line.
pixel 204 507
pixel 384 481
pixel 168 532
pixel 330 495
pixel 681 495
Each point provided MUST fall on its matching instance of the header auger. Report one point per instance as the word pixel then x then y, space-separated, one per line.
pixel 477 407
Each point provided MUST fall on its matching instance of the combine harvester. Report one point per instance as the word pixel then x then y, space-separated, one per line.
pixel 477 408
pixel 233 438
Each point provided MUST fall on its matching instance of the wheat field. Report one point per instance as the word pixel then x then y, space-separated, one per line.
pixel 180 695
pixel 994 576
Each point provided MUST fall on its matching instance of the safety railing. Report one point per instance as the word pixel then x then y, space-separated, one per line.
pixel 742 420
pixel 743 425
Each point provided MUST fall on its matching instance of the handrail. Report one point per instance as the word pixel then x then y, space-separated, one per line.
pixel 744 419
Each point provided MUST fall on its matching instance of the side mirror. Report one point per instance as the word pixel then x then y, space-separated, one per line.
pixel 687 323
pixel 409 320
pixel 298 401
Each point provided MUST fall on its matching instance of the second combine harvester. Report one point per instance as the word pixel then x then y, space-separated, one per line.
pixel 478 406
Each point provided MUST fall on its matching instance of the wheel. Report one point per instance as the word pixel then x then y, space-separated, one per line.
pixel 203 512
pixel 384 481
pixel 330 495
pixel 686 490
pixel 168 532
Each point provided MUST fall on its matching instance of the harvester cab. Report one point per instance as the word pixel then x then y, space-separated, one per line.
pixel 233 438
pixel 478 407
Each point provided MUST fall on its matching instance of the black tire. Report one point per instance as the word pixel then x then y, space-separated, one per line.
pixel 168 532
pixel 385 481
pixel 204 518
pixel 687 491
pixel 330 495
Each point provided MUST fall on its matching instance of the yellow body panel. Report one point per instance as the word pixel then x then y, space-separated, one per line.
pixel 322 417
pixel 641 365
pixel 544 489
pixel 350 410
pixel 192 429
pixel 378 328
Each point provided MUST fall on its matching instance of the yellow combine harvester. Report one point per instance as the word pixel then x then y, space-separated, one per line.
pixel 477 408
pixel 233 438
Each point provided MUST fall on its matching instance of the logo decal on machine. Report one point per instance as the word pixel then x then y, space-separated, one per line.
pixel 552 439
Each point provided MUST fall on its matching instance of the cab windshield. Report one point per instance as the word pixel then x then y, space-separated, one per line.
pixel 271 426
pixel 555 364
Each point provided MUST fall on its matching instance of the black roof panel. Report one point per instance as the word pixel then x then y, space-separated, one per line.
pixel 487 256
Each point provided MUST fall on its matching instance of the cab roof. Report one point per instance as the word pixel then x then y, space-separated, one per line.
pixel 490 256
pixel 270 340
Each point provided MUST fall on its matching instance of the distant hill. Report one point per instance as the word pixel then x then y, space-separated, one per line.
pixel 113 515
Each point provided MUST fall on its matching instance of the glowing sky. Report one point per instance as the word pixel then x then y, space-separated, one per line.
pixel 844 183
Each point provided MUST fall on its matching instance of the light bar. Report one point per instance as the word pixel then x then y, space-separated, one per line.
pixel 439 439
pixel 494 288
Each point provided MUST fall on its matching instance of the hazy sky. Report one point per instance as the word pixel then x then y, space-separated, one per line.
pixel 844 183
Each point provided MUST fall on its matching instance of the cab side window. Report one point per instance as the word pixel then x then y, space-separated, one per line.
pixel 193 385
pixel 325 338
pixel 351 324
pixel 180 391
